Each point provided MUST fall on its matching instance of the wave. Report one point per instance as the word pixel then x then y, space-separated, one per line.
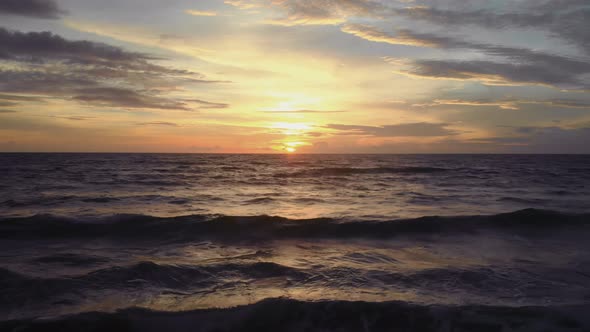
pixel 528 221
pixel 282 314
pixel 172 276
pixel 150 277
pixel 523 200
pixel 259 200
pixel 343 171
pixel 71 259
pixel 144 276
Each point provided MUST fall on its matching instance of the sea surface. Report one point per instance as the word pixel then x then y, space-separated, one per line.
pixel 205 242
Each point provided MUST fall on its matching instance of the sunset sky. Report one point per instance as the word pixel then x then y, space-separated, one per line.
pixel 322 76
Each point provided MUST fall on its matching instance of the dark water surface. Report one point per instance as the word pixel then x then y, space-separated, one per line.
pixel 316 242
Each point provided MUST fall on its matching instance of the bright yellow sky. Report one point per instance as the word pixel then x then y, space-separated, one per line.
pixel 291 76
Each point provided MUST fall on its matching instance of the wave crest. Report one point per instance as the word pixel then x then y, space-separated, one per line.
pixel 269 227
pixel 292 315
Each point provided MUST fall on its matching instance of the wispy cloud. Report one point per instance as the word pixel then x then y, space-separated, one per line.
pixel 203 104
pixel 159 123
pixel 373 34
pixel 200 12
pixel 111 96
pixel 524 67
pixel 301 111
pixel 507 104
pixel 562 19
pixel 326 12
pixel 502 73
pixel 421 129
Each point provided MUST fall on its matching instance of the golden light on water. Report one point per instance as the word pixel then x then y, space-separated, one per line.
pixel 295 136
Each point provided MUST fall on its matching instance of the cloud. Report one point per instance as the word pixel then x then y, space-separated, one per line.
pixel 73 117
pixel 203 104
pixel 322 12
pixel 109 96
pixel 7 103
pixel 376 35
pixel 20 98
pixel 421 129
pixel 4 111
pixel 200 13
pixel 245 4
pixel 501 73
pixel 46 64
pixel 566 20
pixel 159 123
pixel 508 104
pixel 39 46
pixel 47 9
pixel 520 65
pixel 42 83
pixel 301 111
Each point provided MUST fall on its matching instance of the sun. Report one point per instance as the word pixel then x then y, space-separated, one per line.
pixel 290 150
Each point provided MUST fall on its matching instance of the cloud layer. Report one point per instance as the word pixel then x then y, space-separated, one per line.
pixel 421 129
pixel 47 9
pixel 90 73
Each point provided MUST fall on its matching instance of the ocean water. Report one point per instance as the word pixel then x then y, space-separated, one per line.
pixel 294 242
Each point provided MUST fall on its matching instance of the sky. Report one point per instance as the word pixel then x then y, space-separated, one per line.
pixel 295 76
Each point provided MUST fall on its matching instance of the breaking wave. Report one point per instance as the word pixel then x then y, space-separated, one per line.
pixel 291 315
pixel 269 227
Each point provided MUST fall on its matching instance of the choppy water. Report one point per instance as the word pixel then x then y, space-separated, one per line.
pixel 172 233
pixel 353 187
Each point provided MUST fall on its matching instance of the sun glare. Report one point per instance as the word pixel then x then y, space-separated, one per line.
pixel 290 150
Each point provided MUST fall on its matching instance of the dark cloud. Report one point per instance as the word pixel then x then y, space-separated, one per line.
pixel 501 72
pixel 20 98
pixel 399 130
pixel 566 20
pixel 33 8
pixel 520 65
pixel 90 73
pixel 40 46
pixel 6 111
pixel 7 103
pixel 507 104
pixel 41 82
pixel 109 96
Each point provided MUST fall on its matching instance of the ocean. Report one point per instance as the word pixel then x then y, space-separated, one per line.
pixel 206 242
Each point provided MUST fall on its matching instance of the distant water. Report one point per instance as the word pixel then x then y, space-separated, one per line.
pixel 355 187
pixel 316 242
